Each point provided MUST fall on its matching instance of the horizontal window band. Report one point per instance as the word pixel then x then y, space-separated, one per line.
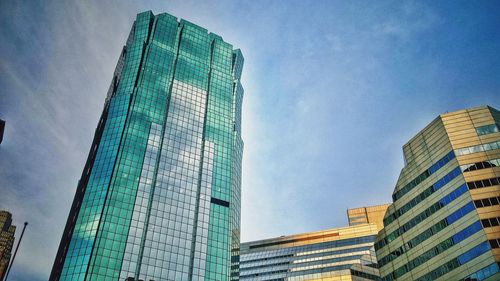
pixel 487 129
pixel 494 243
pixel 431 170
pixel 467 208
pixel 289 273
pixel 426 213
pixel 470 185
pixel 456 262
pixel 295 266
pixel 295 240
pixel 481 165
pixel 491 222
pixel 483 273
pixel 487 202
pixel 438 249
pixel 219 202
pixel 483 183
pixel 478 148
pixel 422 196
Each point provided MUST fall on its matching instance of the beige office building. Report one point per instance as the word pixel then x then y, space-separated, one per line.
pixel 444 223
pixel 338 254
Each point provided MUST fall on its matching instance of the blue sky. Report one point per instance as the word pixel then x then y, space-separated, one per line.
pixel 333 89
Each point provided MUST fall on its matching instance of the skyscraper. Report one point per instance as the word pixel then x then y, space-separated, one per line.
pixel 7 231
pixel 444 222
pixel 159 197
pixel 344 253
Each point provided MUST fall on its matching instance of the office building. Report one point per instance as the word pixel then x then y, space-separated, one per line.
pixel 338 254
pixel 159 196
pixel 444 222
pixel 7 231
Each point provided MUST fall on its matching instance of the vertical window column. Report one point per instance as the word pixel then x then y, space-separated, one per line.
pixel 139 217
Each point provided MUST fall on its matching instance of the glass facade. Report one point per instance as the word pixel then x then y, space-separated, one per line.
pixel 345 253
pixel 159 197
pixel 444 223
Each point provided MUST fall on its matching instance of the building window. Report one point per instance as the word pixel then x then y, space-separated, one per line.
pixel 478 148
pixel 486 202
pixel 481 165
pixel 491 222
pixel 487 129
pixel 495 243
pixel 483 183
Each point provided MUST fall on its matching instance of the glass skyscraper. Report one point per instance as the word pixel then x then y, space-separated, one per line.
pixel 159 197
pixel 444 223
pixel 338 254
